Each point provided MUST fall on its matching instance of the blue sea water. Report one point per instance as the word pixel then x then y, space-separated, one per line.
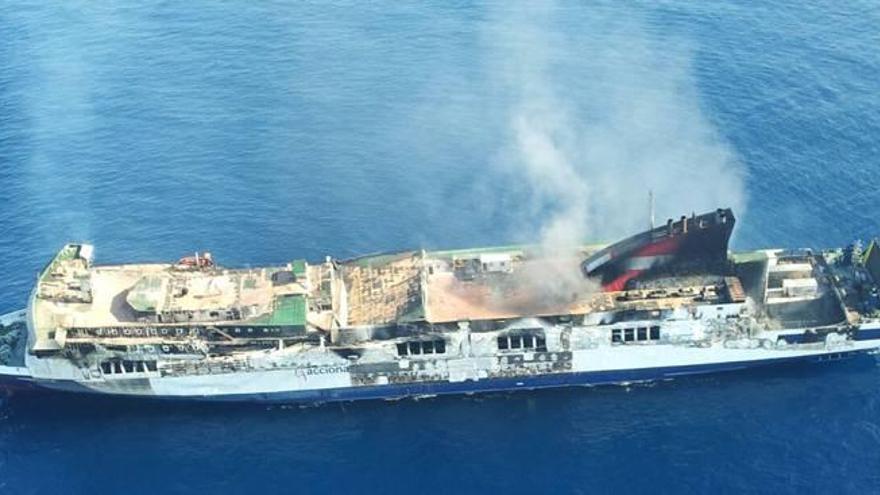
pixel 272 130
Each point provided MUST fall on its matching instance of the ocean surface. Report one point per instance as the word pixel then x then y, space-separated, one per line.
pixel 265 131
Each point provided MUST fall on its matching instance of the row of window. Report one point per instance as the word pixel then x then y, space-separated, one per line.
pixel 118 367
pixel 421 347
pixel 535 342
pixel 639 334
pixel 174 332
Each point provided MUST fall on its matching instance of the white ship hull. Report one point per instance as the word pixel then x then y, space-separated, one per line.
pixel 282 379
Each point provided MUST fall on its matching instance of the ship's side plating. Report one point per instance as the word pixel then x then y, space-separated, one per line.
pixel 523 356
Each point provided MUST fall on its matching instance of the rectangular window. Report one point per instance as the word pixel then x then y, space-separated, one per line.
pixel 515 342
pixel 541 344
pixel 415 348
pixel 105 367
pixel 428 347
pixel 655 333
pixel 528 342
pixel 503 343
pixel 615 336
pixel 151 365
pixel 117 367
pixel 629 335
pixel 642 333
pixel 401 349
pixel 440 347
pixel 139 366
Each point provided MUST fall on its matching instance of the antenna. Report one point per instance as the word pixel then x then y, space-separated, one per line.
pixel 651 207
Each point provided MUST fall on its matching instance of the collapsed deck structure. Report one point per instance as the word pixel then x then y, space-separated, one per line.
pixel 426 322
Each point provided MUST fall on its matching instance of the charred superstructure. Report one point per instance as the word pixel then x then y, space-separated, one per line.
pixel 668 301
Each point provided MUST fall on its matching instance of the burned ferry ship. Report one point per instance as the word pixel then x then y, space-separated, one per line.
pixel 667 302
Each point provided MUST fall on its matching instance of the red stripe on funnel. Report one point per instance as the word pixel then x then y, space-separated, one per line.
pixel 619 283
pixel 668 245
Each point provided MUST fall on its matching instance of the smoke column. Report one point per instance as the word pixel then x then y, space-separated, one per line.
pixel 597 117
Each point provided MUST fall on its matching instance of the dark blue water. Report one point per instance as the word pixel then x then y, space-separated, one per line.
pixel 277 130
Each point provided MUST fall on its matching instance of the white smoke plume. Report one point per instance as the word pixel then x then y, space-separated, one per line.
pixel 599 116
pixel 596 118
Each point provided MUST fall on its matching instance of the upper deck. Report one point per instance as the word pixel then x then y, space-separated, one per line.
pixel 674 269
pixel 505 283
pixel 72 293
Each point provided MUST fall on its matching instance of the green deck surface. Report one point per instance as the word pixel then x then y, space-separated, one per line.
pixel 384 258
pixel 748 256
pixel 288 311
pixel 66 253
pixel 298 267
